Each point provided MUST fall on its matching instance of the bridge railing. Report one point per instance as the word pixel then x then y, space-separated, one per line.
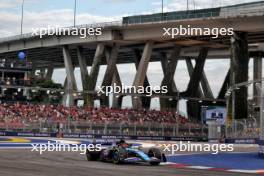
pixel 237 13
pixel 7 64
pixel 92 25
pixel 167 17
pixel 249 9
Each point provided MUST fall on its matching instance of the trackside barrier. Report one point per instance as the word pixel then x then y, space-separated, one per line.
pixel 243 141
pixel 161 138
pixel 26 134
pixel 237 141
pixel 110 128
pixel 91 136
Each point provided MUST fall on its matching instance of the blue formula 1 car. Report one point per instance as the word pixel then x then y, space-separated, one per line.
pixel 123 152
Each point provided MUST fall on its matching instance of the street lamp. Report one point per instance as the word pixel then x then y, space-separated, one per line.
pixel 22 17
pixel 162 8
pixel 74 17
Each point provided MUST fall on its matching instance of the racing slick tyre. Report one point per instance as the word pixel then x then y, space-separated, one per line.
pixel 102 156
pixel 154 152
pixel 116 157
pixel 92 156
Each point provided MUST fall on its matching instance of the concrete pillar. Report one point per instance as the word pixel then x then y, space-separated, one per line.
pixel 168 80
pixel 141 72
pixel 225 86
pixel 197 73
pixel 70 77
pixel 50 71
pixel 65 84
pixel 146 101
pixel 164 64
pixel 257 75
pixel 189 64
pixel 110 72
pixel 42 73
pixel 193 106
pixel 206 87
pixel 26 90
pixel 85 77
pixel 194 89
pixel 239 73
pixel 99 53
pixel 26 93
pixel 117 99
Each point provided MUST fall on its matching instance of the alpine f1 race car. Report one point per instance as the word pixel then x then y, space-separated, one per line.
pixel 123 152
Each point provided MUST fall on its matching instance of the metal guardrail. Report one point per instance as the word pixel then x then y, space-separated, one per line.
pixel 239 13
pixel 244 128
pixel 172 17
pixel 167 18
pixel 10 64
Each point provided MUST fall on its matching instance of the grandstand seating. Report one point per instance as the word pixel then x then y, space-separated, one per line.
pixel 18 113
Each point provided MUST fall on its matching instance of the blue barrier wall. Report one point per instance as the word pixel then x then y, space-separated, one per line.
pixel 160 138
pixel 77 135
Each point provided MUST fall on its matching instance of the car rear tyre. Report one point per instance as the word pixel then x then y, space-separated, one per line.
pixel 102 156
pixel 154 152
pixel 116 157
pixel 154 163
pixel 91 156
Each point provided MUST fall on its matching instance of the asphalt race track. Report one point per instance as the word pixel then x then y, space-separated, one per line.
pixel 23 162
pixel 17 159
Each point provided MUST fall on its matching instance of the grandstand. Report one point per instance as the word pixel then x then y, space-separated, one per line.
pixel 107 121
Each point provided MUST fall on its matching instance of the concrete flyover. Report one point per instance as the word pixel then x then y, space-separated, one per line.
pixel 144 42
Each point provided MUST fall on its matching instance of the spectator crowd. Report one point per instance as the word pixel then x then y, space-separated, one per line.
pixel 18 114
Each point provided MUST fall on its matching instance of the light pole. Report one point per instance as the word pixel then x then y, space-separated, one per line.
pixel 22 17
pixel 162 8
pixel 74 17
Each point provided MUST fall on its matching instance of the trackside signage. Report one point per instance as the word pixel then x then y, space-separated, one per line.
pixel 161 138
pixel 91 136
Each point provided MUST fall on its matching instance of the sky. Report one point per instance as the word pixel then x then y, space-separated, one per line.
pixel 41 13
